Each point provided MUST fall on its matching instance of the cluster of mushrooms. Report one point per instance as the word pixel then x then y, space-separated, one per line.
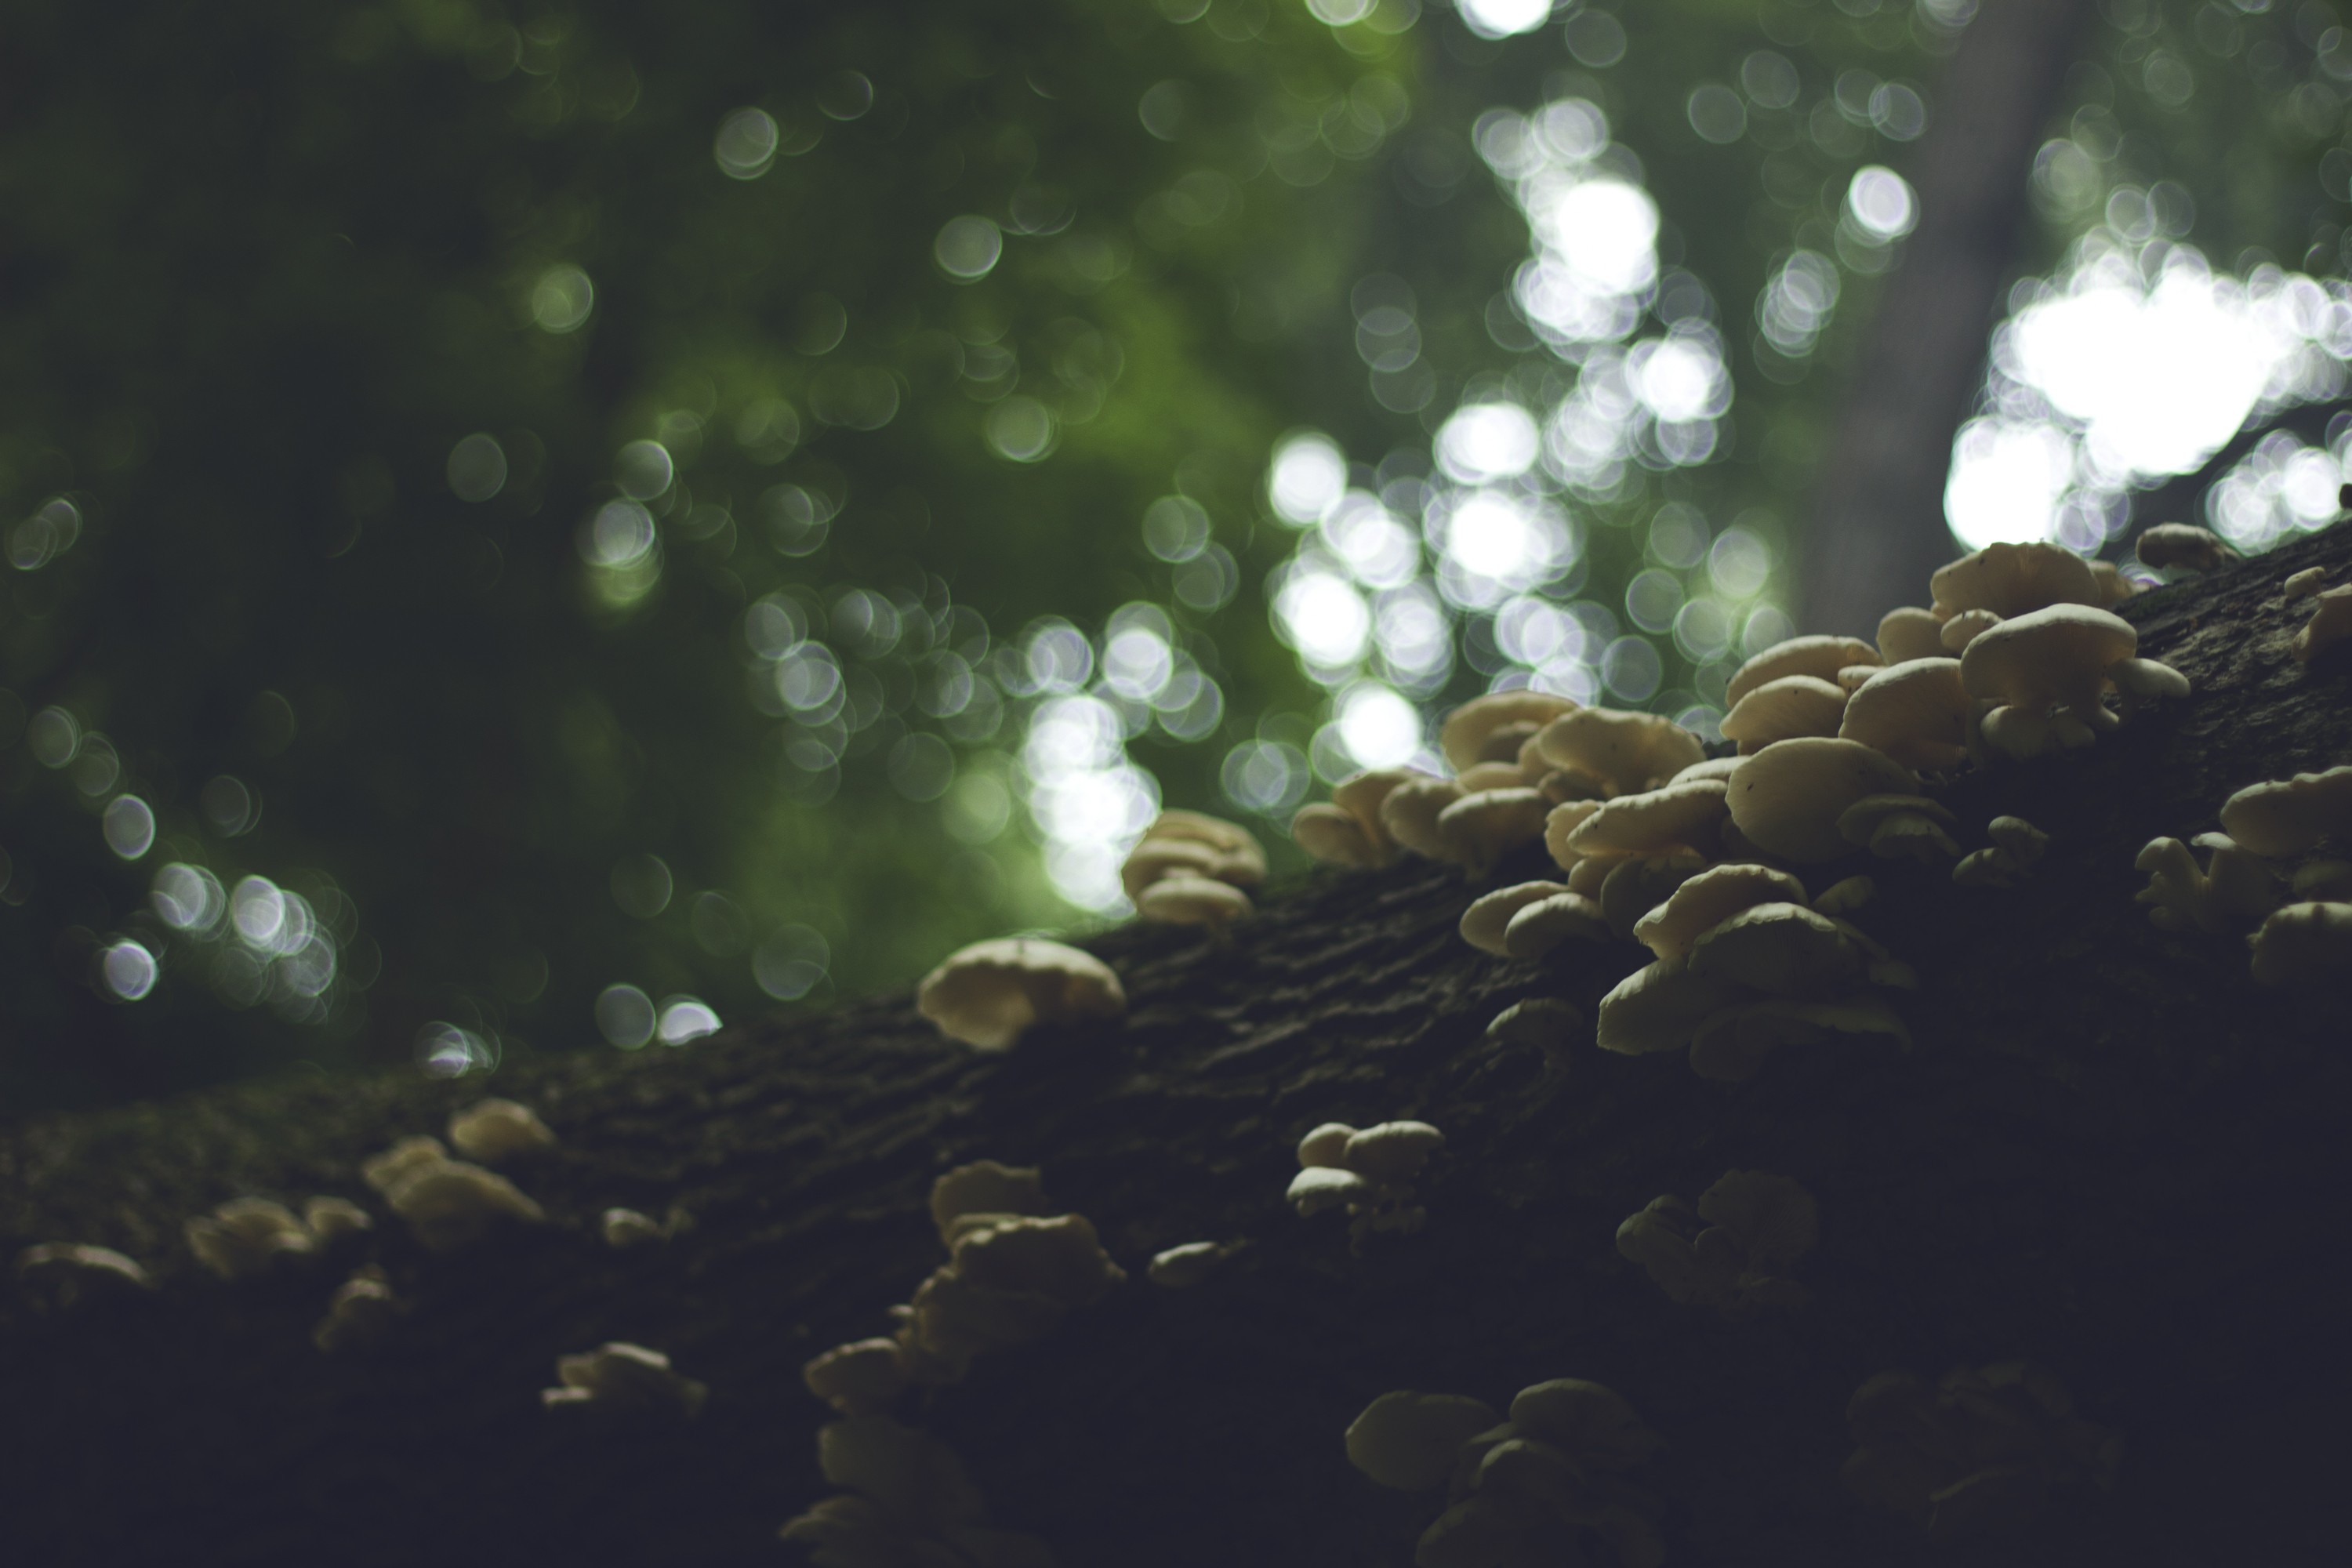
pixel 1014 1270
pixel 1368 1171
pixel 1733 1251
pixel 1532 1489
pixel 2273 875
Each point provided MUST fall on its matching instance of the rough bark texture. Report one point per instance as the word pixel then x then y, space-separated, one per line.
pixel 2108 1152
pixel 1876 528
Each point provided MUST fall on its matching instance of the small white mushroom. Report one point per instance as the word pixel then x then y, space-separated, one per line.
pixel 2013 579
pixel 1480 830
pixel 1181 1267
pixel 329 1220
pixel 1545 1022
pixel 860 1378
pixel 1624 752
pixel 1181 899
pixel 1537 928
pixel 2303 584
pixel 2304 942
pixel 1491 729
pixel 1326 1146
pixel 1915 711
pixel 625 1228
pixel 2056 658
pixel 2287 816
pixel 1992 867
pixel 490 1130
pixel 246 1236
pixel 2181 545
pixel 1819 657
pixel 1790 706
pixel 1337 838
pixel 990 993
pixel 1786 798
pixel 360 1315
pixel 1484 922
pixel 626 1379
pixel 1965 628
pixel 1909 633
pixel 1410 1441
pixel 1320 1187
pixel 1410 810
pixel 447 1203
pixel 1393 1153
pixel 1890 826
pixel 2237 889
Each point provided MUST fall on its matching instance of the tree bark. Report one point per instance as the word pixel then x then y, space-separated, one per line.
pixel 2107 1151
pixel 1877 527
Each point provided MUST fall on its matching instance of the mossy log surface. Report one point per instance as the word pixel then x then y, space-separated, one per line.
pixel 2109 1151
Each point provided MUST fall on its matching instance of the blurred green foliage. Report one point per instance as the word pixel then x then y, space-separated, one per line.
pixel 268 270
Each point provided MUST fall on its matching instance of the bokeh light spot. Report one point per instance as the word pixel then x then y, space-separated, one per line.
pixel 128 825
pixel 968 248
pixel 746 143
pixel 625 1017
pixel 562 300
pixel 791 962
pixel 129 969
pixel 641 885
pixel 478 468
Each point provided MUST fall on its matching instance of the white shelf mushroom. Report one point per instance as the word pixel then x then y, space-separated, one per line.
pixel 626 1379
pixel 990 993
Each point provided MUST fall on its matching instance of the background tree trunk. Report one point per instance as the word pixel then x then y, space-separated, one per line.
pixel 1877 527
pixel 2108 1152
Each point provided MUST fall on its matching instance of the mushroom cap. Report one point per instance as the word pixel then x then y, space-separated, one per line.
pixel 2330 622
pixel 1625 750
pixel 386 1170
pixel 1410 1440
pixel 990 993
pixel 450 1204
pixel 1486 919
pixel 1709 899
pixel 1191 841
pixel 331 1219
pixel 63 1274
pixel 1393 1151
pixel 2057 656
pixel 1659 1239
pixel 2286 816
pixel 2140 679
pixel 1543 925
pixel 1993 868
pixel 1181 1267
pixel 1658 1006
pixel 1481 777
pixel 1788 706
pixel 1781 949
pixel 1847 894
pixel 986 1187
pixel 1774 1220
pixel 2023 841
pixel 1152 859
pixel 2012 579
pixel 2303 584
pixel 1892 825
pixel 1593 1423
pixel 1319 1188
pixel 1640 884
pixel 2182 545
pixel 620 1376
pixel 1674 817
pixel 1819 657
pixel 1545 1021
pixel 1410 810
pixel 1199 827
pixel 1786 798
pixel 1915 711
pixel 1907 634
pixel 1561 823
pixel 1731 1045
pixel 360 1315
pixel 1706 768
pixel 1463 735
pixel 2114 587
pixel 859 1378
pixel 1480 830
pixel 1333 836
pixel 244 1237
pixel 1326 1146
pixel 1966 627
pixel 1181 899
pixel 2304 942
pixel 1359 795
pixel 494 1129
pixel 1059 1259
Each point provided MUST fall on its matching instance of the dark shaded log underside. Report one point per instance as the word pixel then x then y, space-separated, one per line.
pixel 2109 1153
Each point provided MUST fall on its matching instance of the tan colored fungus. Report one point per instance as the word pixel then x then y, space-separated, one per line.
pixel 245 1236
pixel 1410 810
pixel 1331 836
pixel 1819 657
pixel 1780 949
pixel 360 1315
pixel 1786 798
pixel 1319 1188
pixel 1659 1006
pixel 2013 579
pixel 2330 622
pixel 1708 898
pixel 60 1276
pixel 1676 816
pixel 2303 584
pixel 626 1379
pixel 1892 825
pixel 1392 1152
pixel 2056 657
pixel 860 1378
pixel 2233 890
pixel 1907 634
pixel 990 993
pixel 1193 1264
pixel 1181 899
pixel 2306 941
pixel 1731 1045
pixel 2287 816
pixel 1480 830
pixel 1327 1145
pixel 1537 928
pixel 329 1220
pixel 1463 736
pixel 1844 896
pixel 1485 921
pixel 1640 884
pixel 1410 1440
pixel 1779 709
pixel 984 1187
pixel 490 1130
pixel 1560 825
pixel 2183 545
pixel 1626 752
pixel 1965 628
pixel 626 1228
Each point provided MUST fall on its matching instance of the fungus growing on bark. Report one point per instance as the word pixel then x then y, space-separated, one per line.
pixel 1780 709
pixel 2017 846
pixel 1909 633
pixel 1672 817
pixel 1189 844
pixel 984 1187
pixel 360 1315
pixel 1786 798
pixel 2049 666
pixel 626 1228
pixel 60 1275
pixel 1819 657
pixel 860 1378
pixel 1915 711
pixel 1484 922
pixel 2303 584
pixel 329 1220
pixel 990 993
pixel 2183 545
pixel 1368 1171
pixel 1477 830
pixel 1182 898
pixel 1410 1441
pixel 1181 1267
pixel 2233 891
pixel 1641 883
pixel 246 1236
pixel 1734 1251
pixel 2305 942
pixel 626 1379
pixel 1408 813
pixel 1983 1450
pixel 2330 622
pixel 1622 753
pixel 1492 729
pixel 2013 579
pixel 1845 895
pixel 447 1203
pixel 1545 1022
pixel 1965 628
pixel 1707 900
pixel 1348 831
pixel 490 1130
pixel 2287 816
